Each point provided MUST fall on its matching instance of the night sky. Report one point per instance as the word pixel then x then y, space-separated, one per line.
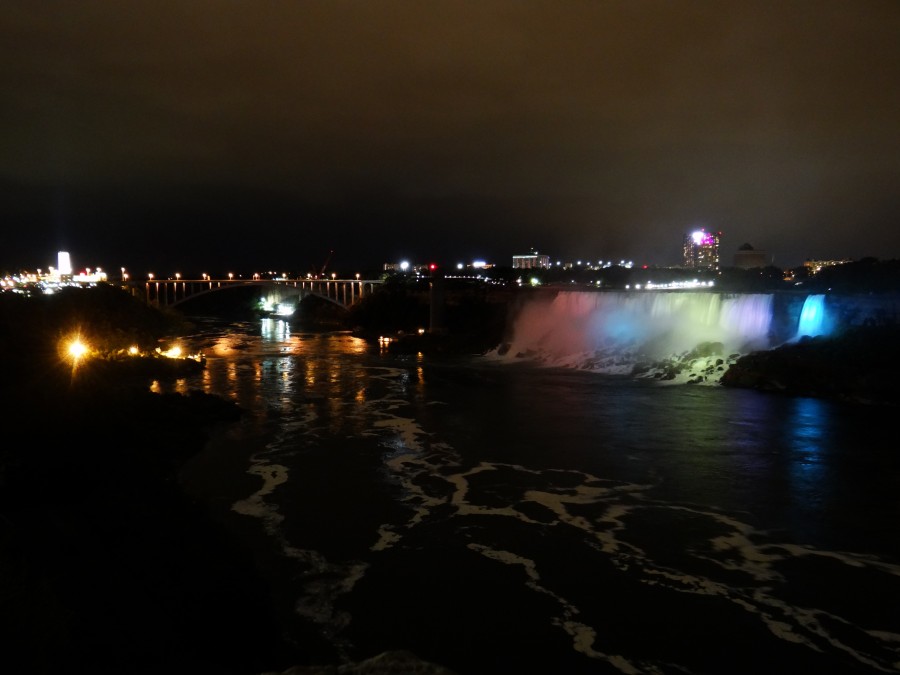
pixel 200 136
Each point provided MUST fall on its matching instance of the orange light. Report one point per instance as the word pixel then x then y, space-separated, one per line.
pixel 77 349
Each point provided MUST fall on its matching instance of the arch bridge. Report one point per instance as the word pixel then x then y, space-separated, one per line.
pixel 173 292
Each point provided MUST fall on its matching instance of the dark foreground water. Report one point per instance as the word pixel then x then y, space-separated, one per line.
pixel 501 518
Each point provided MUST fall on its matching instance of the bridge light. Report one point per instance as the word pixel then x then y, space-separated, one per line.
pixel 177 276
pixel 230 276
pixel 357 276
pixel 150 276
pixel 333 276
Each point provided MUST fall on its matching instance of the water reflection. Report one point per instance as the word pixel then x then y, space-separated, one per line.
pixel 808 424
pixel 275 330
pixel 179 386
pixel 716 505
pixel 807 434
pixel 224 345
pixel 322 379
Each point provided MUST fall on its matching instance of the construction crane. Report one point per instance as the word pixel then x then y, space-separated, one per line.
pixel 325 264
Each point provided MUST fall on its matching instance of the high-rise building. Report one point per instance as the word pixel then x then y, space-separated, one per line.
pixel 701 250
pixel 531 261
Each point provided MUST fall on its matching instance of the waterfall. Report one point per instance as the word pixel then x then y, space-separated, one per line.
pixel 611 331
pixel 813 319
pixel 680 335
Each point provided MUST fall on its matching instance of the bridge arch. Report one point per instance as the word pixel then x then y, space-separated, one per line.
pixel 341 292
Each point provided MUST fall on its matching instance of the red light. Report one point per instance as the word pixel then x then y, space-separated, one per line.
pixel 432 266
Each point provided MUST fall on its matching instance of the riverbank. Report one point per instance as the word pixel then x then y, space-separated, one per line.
pixel 860 365
pixel 107 566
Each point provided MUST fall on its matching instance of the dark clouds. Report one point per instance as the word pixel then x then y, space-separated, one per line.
pixel 456 129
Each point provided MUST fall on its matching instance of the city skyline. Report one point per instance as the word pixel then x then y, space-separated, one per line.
pixel 745 257
pixel 228 136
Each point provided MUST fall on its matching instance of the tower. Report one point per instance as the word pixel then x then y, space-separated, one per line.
pixel 701 250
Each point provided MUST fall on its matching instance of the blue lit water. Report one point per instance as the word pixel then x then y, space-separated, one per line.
pixel 813 318
pixel 499 517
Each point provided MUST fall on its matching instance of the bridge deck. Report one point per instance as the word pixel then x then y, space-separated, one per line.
pixel 170 292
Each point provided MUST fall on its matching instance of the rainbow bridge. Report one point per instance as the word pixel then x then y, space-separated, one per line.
pixel 275 294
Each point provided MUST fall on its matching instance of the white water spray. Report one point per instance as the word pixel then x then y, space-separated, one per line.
pixel 610 331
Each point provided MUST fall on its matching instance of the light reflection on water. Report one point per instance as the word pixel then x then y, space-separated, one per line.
pixel 808 428
pixel 389 467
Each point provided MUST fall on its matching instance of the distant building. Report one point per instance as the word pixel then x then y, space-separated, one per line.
pixel 474 265
pixel 816 266
pixel 748 258
pixel 64 263
pixel 701 250
pixel 531 261
pixel 404 267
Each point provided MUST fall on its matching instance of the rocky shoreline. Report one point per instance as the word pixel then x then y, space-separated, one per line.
pixel 107 566
pixel 859 365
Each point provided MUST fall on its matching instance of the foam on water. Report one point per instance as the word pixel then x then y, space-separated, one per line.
pixel 503 508
pixel 602 512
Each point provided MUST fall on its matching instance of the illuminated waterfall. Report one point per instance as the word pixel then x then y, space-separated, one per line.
pixel 686 335
pixel 610 331
pixel 813 318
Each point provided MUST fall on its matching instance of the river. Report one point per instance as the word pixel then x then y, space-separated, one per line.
pixel 496 516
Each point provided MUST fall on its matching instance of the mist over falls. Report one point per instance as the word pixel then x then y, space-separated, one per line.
pixel 612 331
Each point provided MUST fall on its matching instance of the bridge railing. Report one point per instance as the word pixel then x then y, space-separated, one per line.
pixel 169 292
